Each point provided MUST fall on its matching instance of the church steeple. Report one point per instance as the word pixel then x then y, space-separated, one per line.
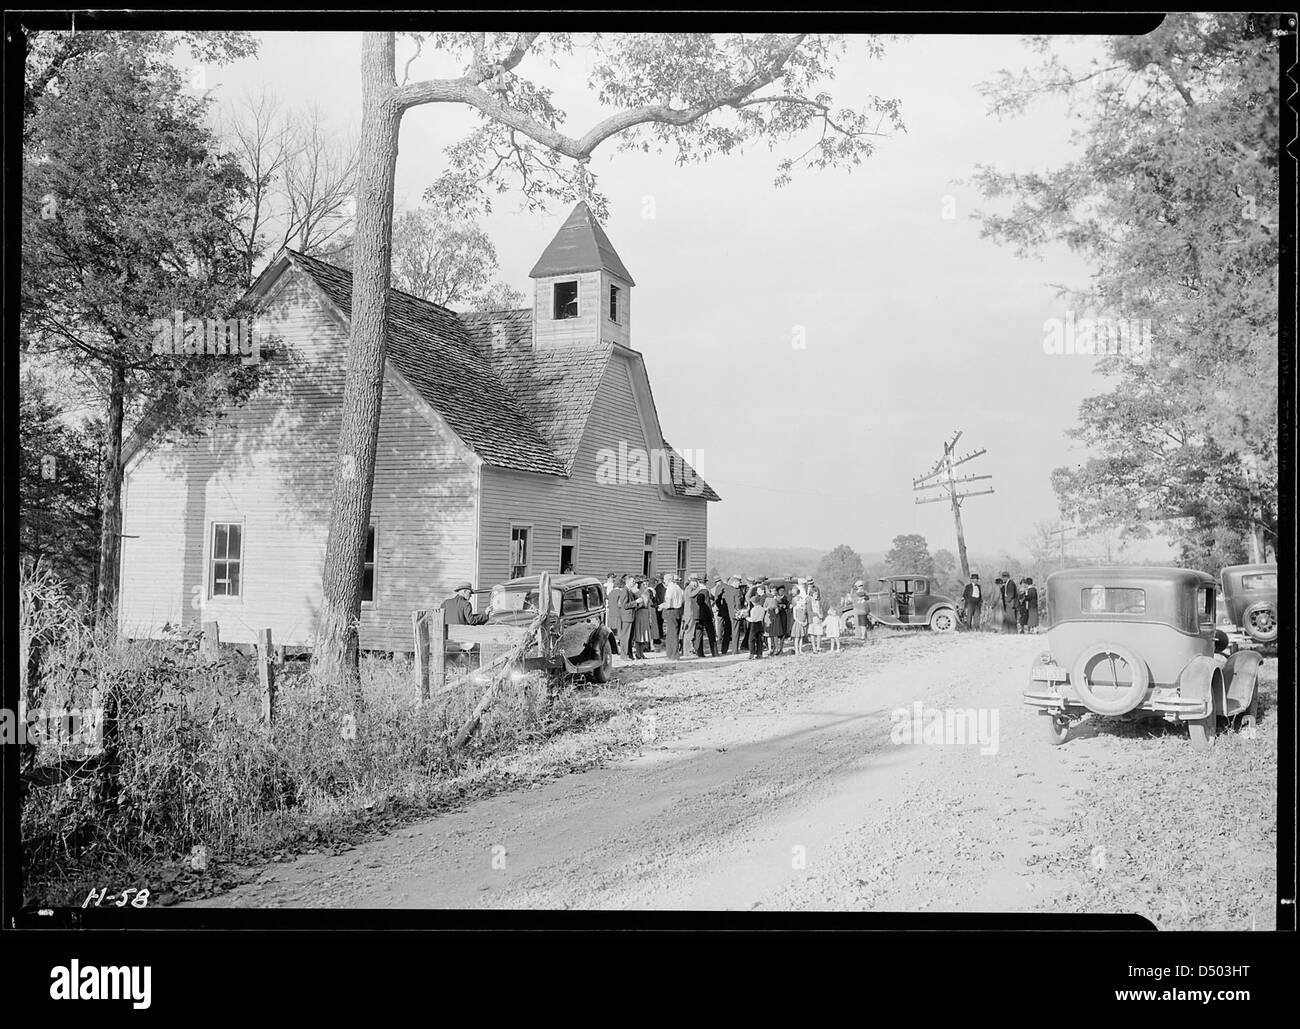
pixel 582 290
pixel 580 246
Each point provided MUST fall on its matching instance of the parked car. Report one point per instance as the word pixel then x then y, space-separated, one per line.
pixel 907 601
pixel 1140 642
pixel 1250 597
pixel 582 642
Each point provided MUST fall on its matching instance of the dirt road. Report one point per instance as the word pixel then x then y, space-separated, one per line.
pixel 785 785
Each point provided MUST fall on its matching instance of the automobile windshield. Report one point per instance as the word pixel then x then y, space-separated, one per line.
pixel 1112 600
pixel 514 601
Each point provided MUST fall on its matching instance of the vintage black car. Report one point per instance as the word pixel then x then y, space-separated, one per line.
pixel 1140 642
pixel 906 601
pixel 1250 597
pixel 576 638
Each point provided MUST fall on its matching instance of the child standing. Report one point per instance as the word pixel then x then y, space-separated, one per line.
pixel 832 624
pixel 799 618
pixel 754 605
pixel 815 625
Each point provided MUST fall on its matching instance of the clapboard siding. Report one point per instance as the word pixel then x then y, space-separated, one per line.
pixel 621 330
pixel 612 518
pixel 268 466
pixel 584 330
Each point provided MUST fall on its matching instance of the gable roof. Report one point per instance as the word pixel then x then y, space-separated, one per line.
pixel 430 347
pixel 580 246
pixel 513 406
pixel 554 387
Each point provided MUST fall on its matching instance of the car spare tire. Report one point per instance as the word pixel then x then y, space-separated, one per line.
pixel 1110 679
pixel 1260 622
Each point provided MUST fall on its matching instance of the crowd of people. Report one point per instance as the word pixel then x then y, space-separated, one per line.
pixel 762 617
pixel 1012 605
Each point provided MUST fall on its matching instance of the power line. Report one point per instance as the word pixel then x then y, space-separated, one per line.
pixel 945 480
pixel 804 493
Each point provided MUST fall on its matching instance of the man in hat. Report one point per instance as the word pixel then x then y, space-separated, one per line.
pixel 722 594
pixel 1010 602
pixel 622 607
pixel 704 622
pixel 690 610
pixel 972 598
pixel 739 612
pixel 659 590
pixel 861 617
pixel 457 609
pixel 671 606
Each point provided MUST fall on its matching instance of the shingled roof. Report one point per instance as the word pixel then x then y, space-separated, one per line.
pixel 431 348
pixel 514 406
pixel 555 386
pixel 580 246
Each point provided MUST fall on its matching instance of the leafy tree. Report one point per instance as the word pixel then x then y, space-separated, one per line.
pixel 445 260
pixel 58 487
pixel 1174 201
pixel 838 571
pixel 52 54
pixel 946 574
pixel 699 95
pixel 126 211
pixel 910 553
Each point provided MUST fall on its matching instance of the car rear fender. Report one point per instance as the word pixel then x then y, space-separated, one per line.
pixel 582 649
pixel 1201 679
pixel 1240 674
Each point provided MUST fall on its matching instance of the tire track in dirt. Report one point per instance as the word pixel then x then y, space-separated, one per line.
pixel 712 818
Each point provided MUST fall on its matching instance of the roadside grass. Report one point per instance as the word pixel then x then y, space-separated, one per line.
pixel 1186 839
pixel 193 784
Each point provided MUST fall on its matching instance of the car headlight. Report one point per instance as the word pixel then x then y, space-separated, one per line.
pixel 1045 658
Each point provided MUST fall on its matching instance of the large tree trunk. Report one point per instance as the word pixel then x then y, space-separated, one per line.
pixel 335 655
pixel 110 540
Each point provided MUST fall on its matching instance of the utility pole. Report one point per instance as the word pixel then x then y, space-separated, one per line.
pixel 945 480
pixel 1060 534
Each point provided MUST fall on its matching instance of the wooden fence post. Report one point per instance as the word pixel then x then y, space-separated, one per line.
pixel 210 648
pixel 438 648
pixel 420 631
pixel 266 674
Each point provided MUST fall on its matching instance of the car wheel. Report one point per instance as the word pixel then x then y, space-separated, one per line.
pixel 1058 729
pixel 943 621
pixel 1110 678
pixel 1202 732
pixel 1260 622
pixel 606 667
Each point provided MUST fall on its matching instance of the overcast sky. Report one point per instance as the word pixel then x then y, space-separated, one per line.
pixel 914 326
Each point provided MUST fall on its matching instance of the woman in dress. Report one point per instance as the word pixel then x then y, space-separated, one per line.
pixel 771 621
pixel 643 622
pixel 1031 605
